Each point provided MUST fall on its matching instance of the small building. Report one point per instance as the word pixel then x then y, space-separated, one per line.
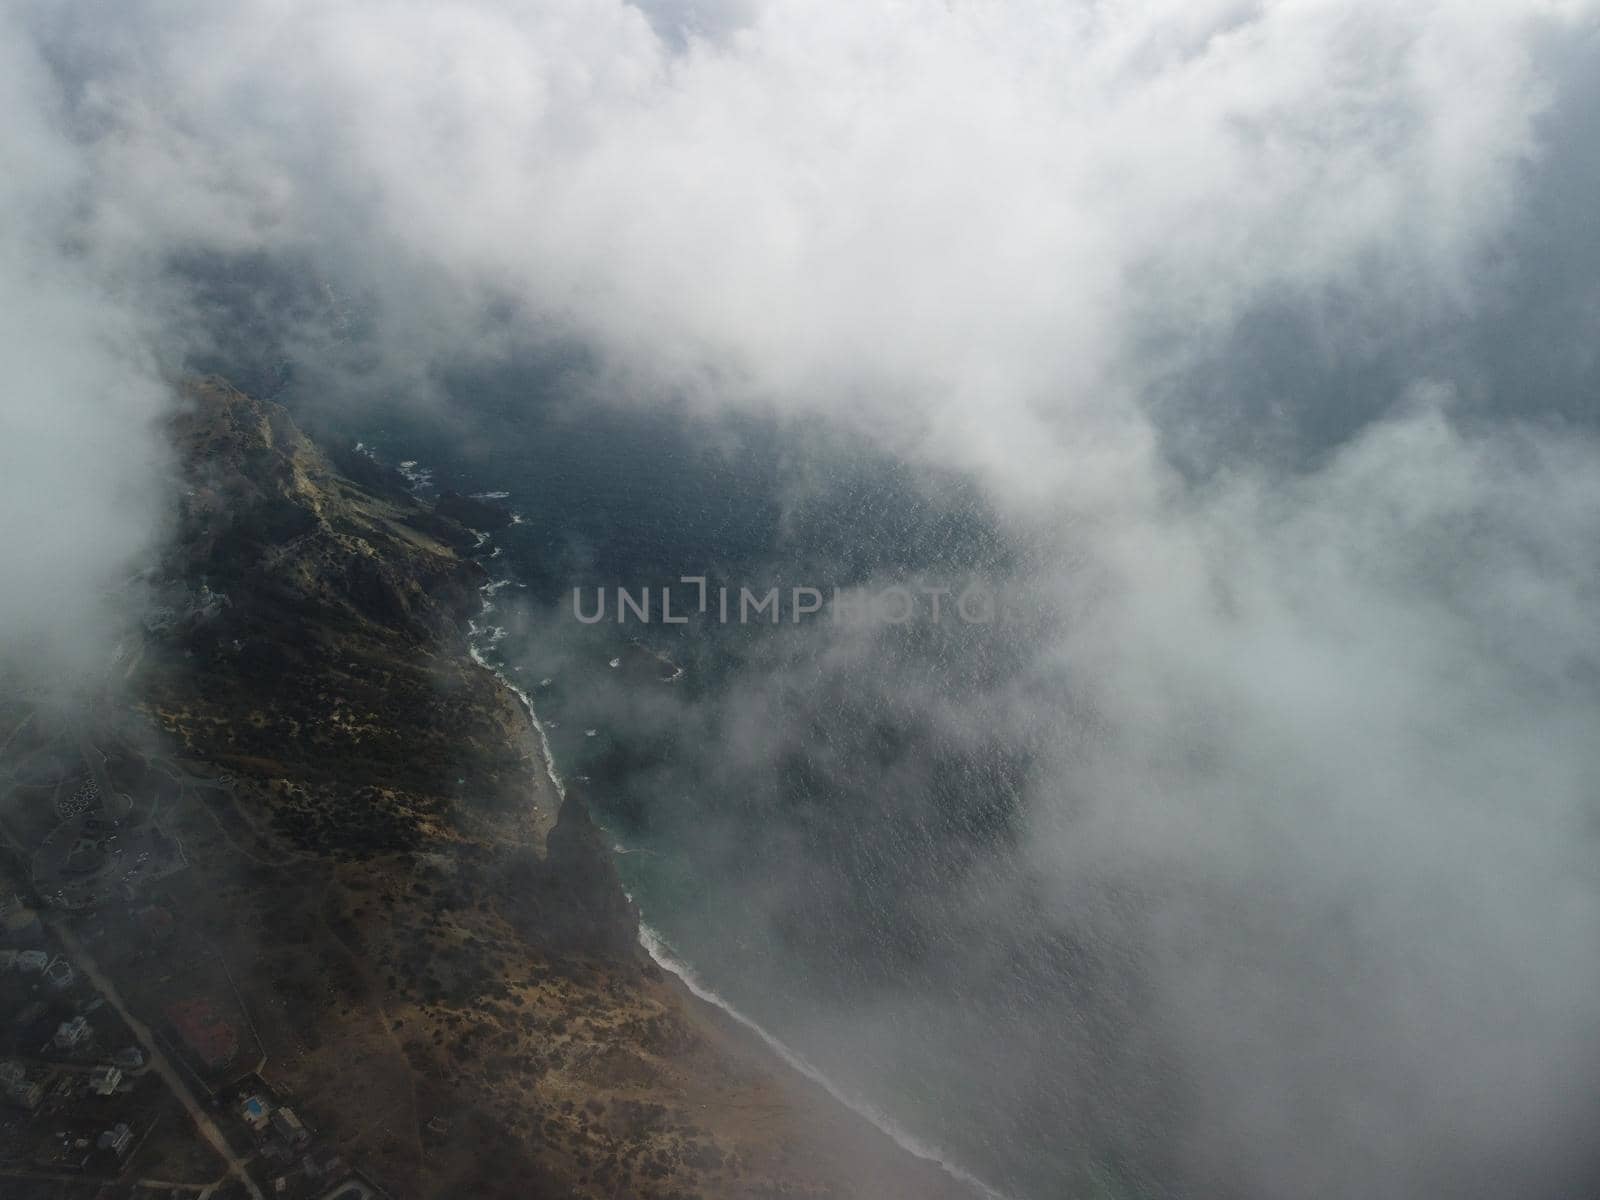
pixel 25 1095
pixel 74 1033
pixel 129 1058
pixel 16 1088
pixel 256 1111
pixel 60 975
pixel 20 925
pixel 288 1127
pixel 118 1140
pixel 330 1168
pixel 103 1080
pixel 65 1153
pixel 8 959
pixel 32 962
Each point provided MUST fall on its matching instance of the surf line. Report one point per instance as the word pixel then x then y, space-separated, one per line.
pixel 662 955
pixel 474 634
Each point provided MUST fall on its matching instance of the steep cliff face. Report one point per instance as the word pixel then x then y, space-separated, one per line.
pixel 321 639
pixel 265 512
pixel 318 583
pixel 571 900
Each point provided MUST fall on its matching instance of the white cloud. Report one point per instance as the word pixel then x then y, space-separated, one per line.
pixel 987 235
pixel 905 213
pixel 80 453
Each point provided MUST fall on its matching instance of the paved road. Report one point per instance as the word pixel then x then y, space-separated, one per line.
pixel 157 1059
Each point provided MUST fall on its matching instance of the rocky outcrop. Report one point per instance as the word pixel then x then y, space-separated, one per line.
pixel 571 901
pixel 340 653
pixel 266 518
pixel 472 512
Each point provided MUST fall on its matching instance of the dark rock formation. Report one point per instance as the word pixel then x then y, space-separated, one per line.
pixel 473 513
pixel 571 901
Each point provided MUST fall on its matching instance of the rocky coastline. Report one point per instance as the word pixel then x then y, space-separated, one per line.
pixel 437 926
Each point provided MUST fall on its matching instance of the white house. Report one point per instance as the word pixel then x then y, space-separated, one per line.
pixel 31 962
pixel 118 1139
pixel 60 974
pixel 73 1033
pixel 103 1080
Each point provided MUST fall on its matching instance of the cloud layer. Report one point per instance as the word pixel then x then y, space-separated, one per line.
pixel 1219 304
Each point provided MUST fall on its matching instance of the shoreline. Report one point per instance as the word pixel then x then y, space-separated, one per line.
pixel 660 954
pixel 687 982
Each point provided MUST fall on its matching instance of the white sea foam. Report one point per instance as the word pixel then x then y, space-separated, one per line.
pixel 538 725
pixel 473 633
pixel 418 478
pixel 662 955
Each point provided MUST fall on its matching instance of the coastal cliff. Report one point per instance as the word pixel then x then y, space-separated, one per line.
pixel 433 950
